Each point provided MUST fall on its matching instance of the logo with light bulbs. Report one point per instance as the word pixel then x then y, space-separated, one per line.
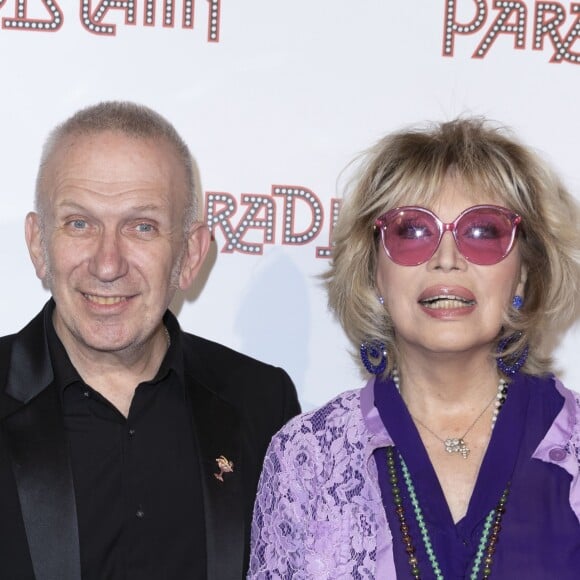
pixel 482 26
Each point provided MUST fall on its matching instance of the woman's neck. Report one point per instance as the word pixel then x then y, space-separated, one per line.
pixel 453 384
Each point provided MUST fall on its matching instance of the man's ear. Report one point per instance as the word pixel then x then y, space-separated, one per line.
pixel 33 234
pixel 197 246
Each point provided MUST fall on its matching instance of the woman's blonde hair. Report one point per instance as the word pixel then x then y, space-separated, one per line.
pixel 408 168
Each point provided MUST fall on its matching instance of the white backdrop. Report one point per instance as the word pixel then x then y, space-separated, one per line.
pixel 275 98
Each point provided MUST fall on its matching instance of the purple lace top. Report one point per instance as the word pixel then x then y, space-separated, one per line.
pixel 319 512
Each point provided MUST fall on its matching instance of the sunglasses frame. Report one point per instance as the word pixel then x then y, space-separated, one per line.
pixel 383 220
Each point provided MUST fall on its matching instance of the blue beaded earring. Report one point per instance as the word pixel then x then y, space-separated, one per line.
pixel 519 358
pixel 517 302
pixel 376 350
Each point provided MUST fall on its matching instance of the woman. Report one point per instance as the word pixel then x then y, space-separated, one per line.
pixel 454 256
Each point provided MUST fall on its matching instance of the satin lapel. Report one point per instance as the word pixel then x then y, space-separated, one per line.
pixel 30 370
pixel 36 440
pixel 217 430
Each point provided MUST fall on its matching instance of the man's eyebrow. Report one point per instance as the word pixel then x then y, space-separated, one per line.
pixel 146 207
pixel 71 204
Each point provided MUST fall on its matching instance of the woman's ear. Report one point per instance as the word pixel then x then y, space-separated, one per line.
pixel 520 288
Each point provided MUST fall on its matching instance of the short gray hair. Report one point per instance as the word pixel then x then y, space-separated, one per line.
pixel 129 119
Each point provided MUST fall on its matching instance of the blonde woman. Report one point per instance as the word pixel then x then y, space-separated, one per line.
pixel 454 256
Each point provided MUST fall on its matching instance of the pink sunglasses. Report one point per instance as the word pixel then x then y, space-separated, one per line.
pixel 484 234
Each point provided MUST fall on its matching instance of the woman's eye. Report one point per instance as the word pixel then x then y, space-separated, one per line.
pixel 413 230
pixel 483 232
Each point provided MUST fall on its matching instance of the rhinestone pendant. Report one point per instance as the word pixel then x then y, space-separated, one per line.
pixel 457 446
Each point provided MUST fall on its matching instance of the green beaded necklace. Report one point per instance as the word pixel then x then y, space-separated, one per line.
pixel 487 542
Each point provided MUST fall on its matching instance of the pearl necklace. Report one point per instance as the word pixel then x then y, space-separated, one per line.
pixel 458 444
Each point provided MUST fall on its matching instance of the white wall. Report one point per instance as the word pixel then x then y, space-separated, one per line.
pixel 285 94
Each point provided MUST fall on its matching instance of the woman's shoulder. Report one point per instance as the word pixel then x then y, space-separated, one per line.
pixel 343 408
pixel 564 390
pixel 546 386
pixel 320 450
pixel 339 418
pixel 568 421
pixel 563 435
pixel 571 397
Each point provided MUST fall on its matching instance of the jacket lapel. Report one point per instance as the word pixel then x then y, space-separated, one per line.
pixel 37 444
pixel 217 431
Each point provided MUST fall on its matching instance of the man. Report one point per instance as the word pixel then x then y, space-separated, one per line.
pixel 129 449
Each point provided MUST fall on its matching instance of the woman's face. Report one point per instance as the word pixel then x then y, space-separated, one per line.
pixel 447 304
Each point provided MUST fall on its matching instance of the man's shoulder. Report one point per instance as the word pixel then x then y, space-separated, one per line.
pixel 30 332
pixel 223 358
pixel 24 365
pixel 27 338
pixel 6 342
pixel 234 375
pixel 263 394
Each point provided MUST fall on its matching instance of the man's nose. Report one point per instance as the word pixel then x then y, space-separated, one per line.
pixel 108 261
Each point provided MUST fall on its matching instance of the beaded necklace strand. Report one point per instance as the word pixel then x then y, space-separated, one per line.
pixel 487 542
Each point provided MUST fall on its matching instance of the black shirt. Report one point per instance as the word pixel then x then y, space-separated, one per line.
pixel 137 481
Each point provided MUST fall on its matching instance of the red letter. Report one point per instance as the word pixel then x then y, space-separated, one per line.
pixel 292 193
pixel 516 27
pixel 219 207
pixel 326 251
pixel 453 27
pixel 251 220
pixel 22 22
pixel 213 21
pixel 572 36
pixel 550 27
pixel 169 13
pixel 92 20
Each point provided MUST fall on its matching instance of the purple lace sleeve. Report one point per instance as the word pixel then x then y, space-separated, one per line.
pixel 315 514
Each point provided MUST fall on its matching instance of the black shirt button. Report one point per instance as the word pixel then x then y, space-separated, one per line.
pixel 131 432
pixel 86 394
pixel 140 514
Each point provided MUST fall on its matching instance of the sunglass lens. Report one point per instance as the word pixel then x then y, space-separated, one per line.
pixel 484 235
pixel 410 237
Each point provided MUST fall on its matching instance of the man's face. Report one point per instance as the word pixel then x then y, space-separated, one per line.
pixel 111 246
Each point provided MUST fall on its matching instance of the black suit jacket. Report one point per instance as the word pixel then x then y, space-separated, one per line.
pixel 238 403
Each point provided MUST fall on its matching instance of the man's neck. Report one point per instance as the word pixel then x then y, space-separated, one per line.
pixel 116 375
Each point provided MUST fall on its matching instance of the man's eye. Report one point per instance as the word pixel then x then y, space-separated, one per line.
pixel 144 228
pixel 78 224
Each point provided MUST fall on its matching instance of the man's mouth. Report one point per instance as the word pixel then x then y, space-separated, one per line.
pixel 446 302
pixel 105 300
